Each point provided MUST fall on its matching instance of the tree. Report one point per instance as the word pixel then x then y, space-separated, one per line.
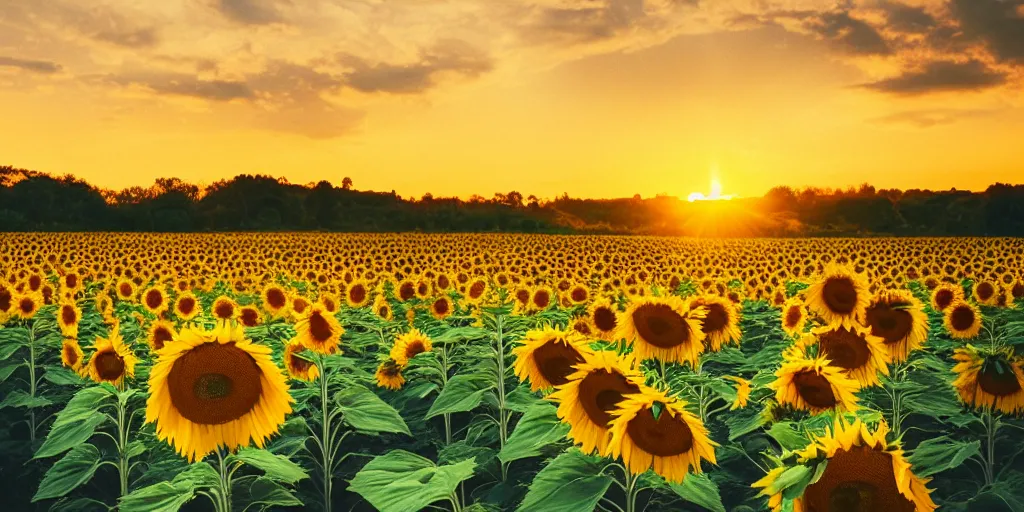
pixel 346 184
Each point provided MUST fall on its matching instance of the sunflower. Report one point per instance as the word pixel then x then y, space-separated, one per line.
pixel 161 332
pixel 855 351
pixel 593 391
pixel 71 354
pixel 125 289
pixel 187 306
pixel 578 294
pixel 548 355
pixel 68 315
pixel 389 375
pixel 6 301
pixel 382 308
pixel 441 307
pixel 584 326
pixel 541 298
pixel 814 385
pixel 898 318
pixel 26 306
pixel 406 290
pixel 721 323
pixel 863 472
pixel 989 379
pixel 298 306
pixel 409 345
pixel 112 359
pixel 249 316
pixel 663 328
pixel 671 440
pixel 224 308
pixel 154 299
pixel 298 366
pixel 985 292
pixel 357 295
pixel 840 296
pixel 962 320
pixel 742 392
pixel 330 302
pixel 476 290
pixel 216 388
pixel 794 317
pixel 946 294
pixel 319 331
pixel 275 300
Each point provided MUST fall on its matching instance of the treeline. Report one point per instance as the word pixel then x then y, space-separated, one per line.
pixel 33 201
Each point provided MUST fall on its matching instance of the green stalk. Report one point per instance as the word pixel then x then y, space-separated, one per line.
pixel 224 502
pixel 444 383
pixel 32 380
pixel 122 443
pixel 502 416
pixel 325 433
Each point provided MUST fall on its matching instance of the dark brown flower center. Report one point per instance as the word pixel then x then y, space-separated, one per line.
pixel 125 290
pixel 541 299
pixel 214 383
pixel 109 365
pixel 299 364
pixel 600 392
pixel 441 307
pixel 161 336
pixel 27 305
pixel 406 291
pixel 840 295
pixel 186 305
pixel 996 377
pixel 845 348
pixel 414 348
pixel 319 327
pixel 579 294
pixel 154 299
pixel 961 318
pixel 476 290
pixel 68 314
pixel 555 360
pixel 660 325
pixel 224 310
pixel 70 354
pixel 604 319
pixel 943 298
pixel 276 298
pixel 814 389
pixel 889 323
pixel 666 436
pixel 249 317
pixel 857 480
pixel 357 294
pixel 716 319
pixel 985 290
pixel 793 316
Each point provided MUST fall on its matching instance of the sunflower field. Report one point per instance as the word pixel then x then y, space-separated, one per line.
pixel 405 372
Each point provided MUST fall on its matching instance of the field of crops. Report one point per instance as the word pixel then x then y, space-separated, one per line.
pixel 153 372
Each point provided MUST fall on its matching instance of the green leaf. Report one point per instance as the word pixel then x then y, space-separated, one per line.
pixel 366 412
pixel 400 481
pixel 538 428
pixel 134 449
pixel 700 490
pixel 8 349
pixel 462 393
pixel 65 436
pixel 79 505
pixel 789 478
pixel 75 469
pixel 269 493
pixel 787 436
pixel 521 399
pixel 19 398
pixel 62 376
pixel 199 475
pixel 160 497
pixel 7 370
pixel 571 483
pixel 941 453
pixel 743 421
pixel 275 466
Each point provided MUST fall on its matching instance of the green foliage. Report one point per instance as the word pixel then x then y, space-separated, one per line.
pixel 401 481
pixel 538 429
pixel 572 482
pixel 73 470
pixel 366 412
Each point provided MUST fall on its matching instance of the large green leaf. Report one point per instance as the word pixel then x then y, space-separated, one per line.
pixel 76 423
pixel 19 398
pixel 521 399
pixel 62 376
pixel 8 349
pixel 787 436
pixel 7 370
pixel 269 494
pixel 462 393
pixel 276 467
pixel 700 490
pixel 160 497
pixel 75 469
pixel 538 428
pixel 366 412
pixel 198 474
pixel 744 421
pixel 571 483
pixel 401 481
pixel 941 453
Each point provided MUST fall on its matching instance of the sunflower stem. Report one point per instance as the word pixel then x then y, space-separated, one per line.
pixel 991 427
pixel 444 383
pixel 122 444
pixel 325 433
pixel 32 380
pixel 502 417
pixel 631 490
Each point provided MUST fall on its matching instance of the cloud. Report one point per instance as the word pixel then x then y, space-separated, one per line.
pixel 176 84
pixel 999 23
pixel 938 76
pixel 848 33
pixel 128 38
pixel 38 66
pixel 252 12
pixel 907 18
pixel 416 77
pixel 930 118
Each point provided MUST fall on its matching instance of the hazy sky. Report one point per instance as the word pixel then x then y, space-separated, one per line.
pixel 598 98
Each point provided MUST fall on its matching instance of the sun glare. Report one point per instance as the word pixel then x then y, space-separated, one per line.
pixel 715 193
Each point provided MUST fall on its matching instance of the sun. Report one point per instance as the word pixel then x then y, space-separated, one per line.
pixel 715 193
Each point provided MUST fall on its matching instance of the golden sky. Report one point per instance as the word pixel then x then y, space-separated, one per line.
pixel 597 98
